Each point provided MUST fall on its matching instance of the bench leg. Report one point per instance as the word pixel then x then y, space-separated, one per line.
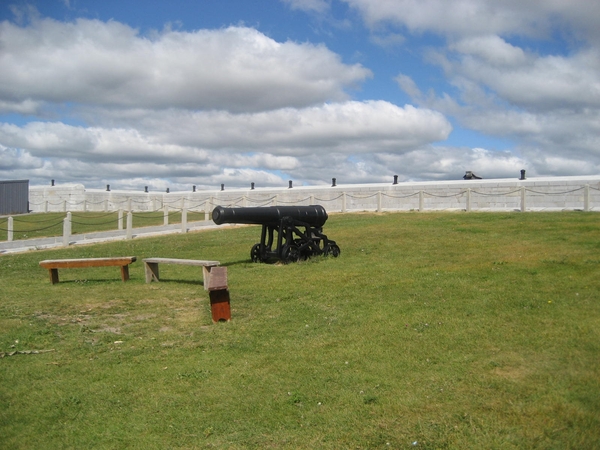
pixel 53 275
pixel 151 270
pixel 125 273
pixel 219 305
pixel 206 276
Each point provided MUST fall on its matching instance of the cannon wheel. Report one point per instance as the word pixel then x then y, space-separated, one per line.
pixel 290 253
pixel 304 251
pixel 255 253
pixel 332 249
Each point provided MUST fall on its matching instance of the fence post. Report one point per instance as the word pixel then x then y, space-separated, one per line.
pixel 129 224
pixel 244 202
pixel 206 209
pixel 84 205
pixel 523 199
pixel 184 220
pixel 378 201
pixel 67 230
pixel 106 205
pixel 46 206
pixel 344 205
pixel 64 206
pixel 421 201
pixel 166 215
pixel 586 197
pixel 469 200
pixel 120 219
pixel 312 199
pixel 10 229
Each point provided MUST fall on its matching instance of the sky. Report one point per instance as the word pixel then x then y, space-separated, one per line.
pixel 175 93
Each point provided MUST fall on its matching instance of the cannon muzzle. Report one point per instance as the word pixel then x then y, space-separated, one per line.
pixel 314 215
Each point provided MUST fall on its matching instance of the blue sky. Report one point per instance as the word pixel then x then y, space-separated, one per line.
pixel 179 93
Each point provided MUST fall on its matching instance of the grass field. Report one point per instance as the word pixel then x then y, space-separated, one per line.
pixel 431 330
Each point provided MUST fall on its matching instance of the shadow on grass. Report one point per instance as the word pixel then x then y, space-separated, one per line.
pixel 90 281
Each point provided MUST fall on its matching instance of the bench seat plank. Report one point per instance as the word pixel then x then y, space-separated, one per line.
pixel 54 264
pixel 86 262
pixel 186 262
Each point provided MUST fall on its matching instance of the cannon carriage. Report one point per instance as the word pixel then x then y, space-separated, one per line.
pixel 289 233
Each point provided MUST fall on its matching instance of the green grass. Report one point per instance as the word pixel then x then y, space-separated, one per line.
pixel 31 226
pixel 451 330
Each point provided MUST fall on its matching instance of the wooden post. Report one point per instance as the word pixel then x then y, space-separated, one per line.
pixel 378 201
pixel 206 210
pixel 344 205
pixel 586 197
pixel 124 273
pixel 67 230
pixel 129 225
pixel 166 215
pixel 151 271
pixel 53 275
pixel 10 229
pixel 468 199
pixel 120 219
pixel 523 199
pixel 218 292
pixel 184 220
pixel 421 201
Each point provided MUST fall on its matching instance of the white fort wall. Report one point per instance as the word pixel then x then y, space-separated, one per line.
pixel 533 194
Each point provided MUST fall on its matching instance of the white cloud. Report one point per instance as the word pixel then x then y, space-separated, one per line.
pixel 547 103
pixel 408 85
pixel 346 127
pixel 484 17
pixel 111 64
pixel 179 144
pixel 440 163
pixel 318 6
pixel 491 49
pixel 528 80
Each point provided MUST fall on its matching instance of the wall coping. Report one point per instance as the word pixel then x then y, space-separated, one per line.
pixel 584 179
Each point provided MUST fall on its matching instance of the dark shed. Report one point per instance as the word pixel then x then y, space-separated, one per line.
pixel 14 197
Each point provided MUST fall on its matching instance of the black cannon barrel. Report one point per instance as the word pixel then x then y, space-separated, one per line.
pixel 314 215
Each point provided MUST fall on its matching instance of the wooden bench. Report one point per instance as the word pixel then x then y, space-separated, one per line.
pixel 54 264
pixel 151 267
pixel 214 278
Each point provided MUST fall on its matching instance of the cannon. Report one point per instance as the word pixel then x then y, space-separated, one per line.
pixel 299 231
